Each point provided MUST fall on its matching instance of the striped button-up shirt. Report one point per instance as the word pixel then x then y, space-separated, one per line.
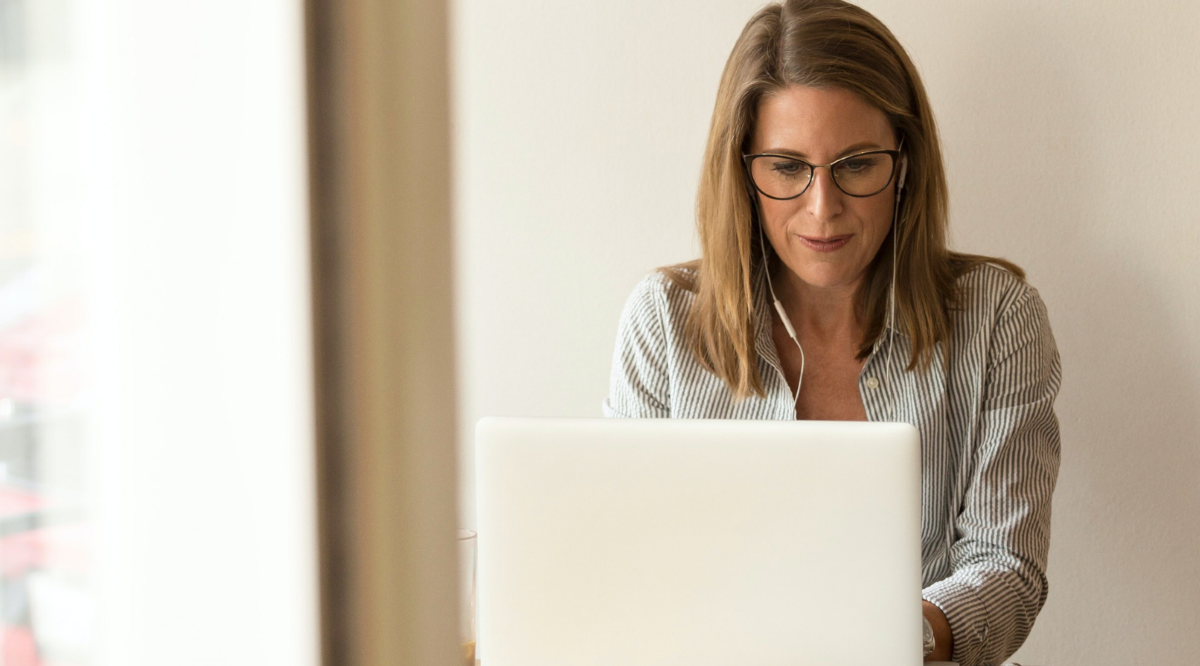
pixel 989 436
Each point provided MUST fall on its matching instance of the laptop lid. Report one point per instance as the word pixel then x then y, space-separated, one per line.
pixel 608 542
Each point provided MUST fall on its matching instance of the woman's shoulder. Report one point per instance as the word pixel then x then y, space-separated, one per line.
pixel 667 293
pixel 989 295
pixel 992 288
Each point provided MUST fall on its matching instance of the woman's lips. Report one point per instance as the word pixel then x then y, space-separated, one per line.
pixel 830 244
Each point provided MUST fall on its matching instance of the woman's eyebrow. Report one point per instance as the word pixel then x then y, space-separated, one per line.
pixel 849 150
pixel 860 147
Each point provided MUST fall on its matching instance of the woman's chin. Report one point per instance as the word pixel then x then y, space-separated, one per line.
pixel 829 279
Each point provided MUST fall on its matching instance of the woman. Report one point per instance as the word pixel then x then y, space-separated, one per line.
pixel 825 290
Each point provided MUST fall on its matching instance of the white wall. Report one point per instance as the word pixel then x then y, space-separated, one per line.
pixel 1072 136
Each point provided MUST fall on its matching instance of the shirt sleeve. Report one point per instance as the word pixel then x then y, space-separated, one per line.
pixel 998 584
pixel 639 386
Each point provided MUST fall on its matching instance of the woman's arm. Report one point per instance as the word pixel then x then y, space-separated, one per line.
pixel 998 584
pixel 942 637
pixel 639 386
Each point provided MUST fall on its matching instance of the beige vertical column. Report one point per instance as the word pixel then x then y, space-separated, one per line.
pixel 379 119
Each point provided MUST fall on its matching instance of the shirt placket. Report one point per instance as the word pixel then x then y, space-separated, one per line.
pixel 783 403
pixel 879 381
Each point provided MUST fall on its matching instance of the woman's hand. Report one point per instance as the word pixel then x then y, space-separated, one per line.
pixel 944 642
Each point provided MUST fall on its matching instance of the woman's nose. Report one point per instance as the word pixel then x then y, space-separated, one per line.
pixel 824 197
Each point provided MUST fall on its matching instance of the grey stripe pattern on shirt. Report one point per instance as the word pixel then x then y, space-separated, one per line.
pixel 989 436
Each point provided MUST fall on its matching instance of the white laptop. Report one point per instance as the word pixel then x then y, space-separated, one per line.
pixel 611 542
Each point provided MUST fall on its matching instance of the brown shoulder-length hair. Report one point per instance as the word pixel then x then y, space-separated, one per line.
pixel 826 44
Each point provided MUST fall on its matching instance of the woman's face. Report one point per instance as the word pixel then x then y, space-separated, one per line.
pixel 825 237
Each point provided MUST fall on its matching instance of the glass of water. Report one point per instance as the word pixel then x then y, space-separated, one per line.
pixel 467 547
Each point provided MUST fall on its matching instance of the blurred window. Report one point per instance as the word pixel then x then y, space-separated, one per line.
pixel 45 604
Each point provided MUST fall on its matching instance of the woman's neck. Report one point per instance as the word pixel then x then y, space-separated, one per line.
pixel 824 312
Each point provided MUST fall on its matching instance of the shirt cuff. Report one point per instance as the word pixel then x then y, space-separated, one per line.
pixel 967 617
pixel 611 412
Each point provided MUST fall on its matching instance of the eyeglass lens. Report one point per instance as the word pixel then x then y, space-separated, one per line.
pixel 781 177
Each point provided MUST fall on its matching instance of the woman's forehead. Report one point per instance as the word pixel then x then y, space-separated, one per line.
pixel 819 124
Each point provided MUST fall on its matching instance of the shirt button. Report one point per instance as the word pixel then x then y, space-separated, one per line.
pixel 872 383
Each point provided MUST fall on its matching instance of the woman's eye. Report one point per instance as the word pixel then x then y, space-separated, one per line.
pixel 859 164
pixel 787 168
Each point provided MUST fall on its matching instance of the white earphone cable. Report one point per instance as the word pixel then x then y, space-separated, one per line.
pixel 892 296
pixel 787 323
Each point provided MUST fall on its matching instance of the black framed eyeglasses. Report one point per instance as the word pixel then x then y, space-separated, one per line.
pixel 785 177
